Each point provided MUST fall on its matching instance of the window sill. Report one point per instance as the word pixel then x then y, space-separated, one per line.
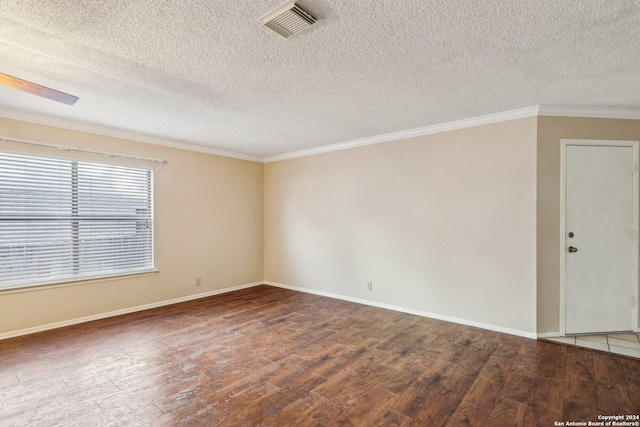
pixel 29 287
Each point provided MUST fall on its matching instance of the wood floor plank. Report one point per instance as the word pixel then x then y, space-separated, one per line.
pixel 390 418
pixel 497 367
pixel 631 370
pixel 433 408
pixel 484 392
pixel 547 398
pixel 296 412
pixel 295 374
pixel 402 378
pixel 615 398
pixel 370 408
pixel 266 356
pixel 468 416
pixel 507 413
pixel 519 380
pixel 580 363
pixel 580 398
pixel 327 411
pixel 608 368
pixel 552 361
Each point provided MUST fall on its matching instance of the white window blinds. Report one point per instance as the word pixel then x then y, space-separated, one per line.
pixel 64 220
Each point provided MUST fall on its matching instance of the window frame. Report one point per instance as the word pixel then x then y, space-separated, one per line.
pixel 74 280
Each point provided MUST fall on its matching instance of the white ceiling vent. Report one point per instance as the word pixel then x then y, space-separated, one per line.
pixel 289 18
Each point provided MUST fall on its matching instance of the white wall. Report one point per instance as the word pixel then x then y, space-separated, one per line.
pixel 444 224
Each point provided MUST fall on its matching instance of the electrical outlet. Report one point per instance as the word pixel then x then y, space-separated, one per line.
pixel 369 286
pixel 198 281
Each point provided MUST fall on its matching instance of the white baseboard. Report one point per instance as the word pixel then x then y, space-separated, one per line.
pixel 458 320
pixel 550 334
pixel 127 310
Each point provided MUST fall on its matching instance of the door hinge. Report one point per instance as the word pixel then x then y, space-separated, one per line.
pixel 634 234
pixel 634 167
pixel 633 301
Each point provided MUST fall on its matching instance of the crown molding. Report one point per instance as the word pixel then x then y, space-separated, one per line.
pixel 534 111
pixel 589 112
pixel 42 119
pixel 411 133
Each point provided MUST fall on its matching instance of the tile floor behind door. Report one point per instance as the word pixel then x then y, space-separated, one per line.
pixel 627 344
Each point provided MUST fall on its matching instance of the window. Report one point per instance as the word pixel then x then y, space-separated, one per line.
pixel 63 220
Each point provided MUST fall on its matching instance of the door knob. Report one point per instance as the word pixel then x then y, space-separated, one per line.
pixel 572 249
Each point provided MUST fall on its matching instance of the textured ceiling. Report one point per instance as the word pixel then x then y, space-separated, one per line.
pixel 206 72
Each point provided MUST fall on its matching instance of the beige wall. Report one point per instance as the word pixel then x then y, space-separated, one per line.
pixel 463 224
pixel 442 223
pixel 208 223
pixel 550 131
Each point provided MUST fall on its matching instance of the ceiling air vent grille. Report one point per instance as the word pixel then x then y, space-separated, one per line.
pixel 289 19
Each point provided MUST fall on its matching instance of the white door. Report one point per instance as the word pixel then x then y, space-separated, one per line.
pixel 599 242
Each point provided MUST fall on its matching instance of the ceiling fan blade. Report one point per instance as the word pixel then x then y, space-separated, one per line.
pixel 36 89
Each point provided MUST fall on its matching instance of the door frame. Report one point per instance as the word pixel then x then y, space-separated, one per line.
pixel 636 160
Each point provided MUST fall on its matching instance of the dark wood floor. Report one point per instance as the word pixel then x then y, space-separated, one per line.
pixel 268 356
